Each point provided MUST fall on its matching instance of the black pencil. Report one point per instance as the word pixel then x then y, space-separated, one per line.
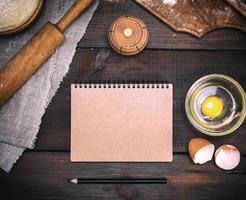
pixel 119 181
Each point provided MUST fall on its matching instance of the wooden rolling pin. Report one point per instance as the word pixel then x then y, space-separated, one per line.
pixel 14 74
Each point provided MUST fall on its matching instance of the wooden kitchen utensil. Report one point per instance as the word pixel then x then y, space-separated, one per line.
pixel 128 35
pixel 36 51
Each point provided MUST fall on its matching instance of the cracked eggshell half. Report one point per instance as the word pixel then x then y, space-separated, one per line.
pixel 200 150
pixel 227 157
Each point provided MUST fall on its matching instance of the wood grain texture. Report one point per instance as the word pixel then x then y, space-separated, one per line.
pixel 161 36
pixel 239 5
pixel 181 68
pixel 33 54
pixel 78 7
pixel 128 35
pixel 43 172
pixel 196 17
pixel 44 175
pixel 20 68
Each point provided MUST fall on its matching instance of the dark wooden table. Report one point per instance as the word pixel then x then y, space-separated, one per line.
pixel 42 173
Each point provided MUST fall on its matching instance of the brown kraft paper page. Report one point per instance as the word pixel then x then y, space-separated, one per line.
pixel 121 124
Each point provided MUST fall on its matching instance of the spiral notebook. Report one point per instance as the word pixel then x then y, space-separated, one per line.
pixel 121 122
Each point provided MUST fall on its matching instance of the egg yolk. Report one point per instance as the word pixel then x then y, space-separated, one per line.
pixel 212 106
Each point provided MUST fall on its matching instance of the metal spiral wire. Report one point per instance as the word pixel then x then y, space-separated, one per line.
pixel 121 84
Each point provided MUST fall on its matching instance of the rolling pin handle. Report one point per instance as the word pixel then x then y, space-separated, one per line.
pixel 78 7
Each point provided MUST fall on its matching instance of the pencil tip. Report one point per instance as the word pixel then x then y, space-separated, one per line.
pixel 73 181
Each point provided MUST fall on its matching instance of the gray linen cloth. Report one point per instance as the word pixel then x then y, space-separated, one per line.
pixel 20 117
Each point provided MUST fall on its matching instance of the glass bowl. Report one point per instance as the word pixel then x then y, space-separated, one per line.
pixel 224 88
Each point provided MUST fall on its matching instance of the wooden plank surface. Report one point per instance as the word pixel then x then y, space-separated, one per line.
pixel 181 68
pixel 161 36
pixel 44 175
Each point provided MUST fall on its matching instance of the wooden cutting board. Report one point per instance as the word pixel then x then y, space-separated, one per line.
pixel 196 17
pixel 239 5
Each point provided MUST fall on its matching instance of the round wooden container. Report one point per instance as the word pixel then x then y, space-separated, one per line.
pixel 128 35
pixel 19 26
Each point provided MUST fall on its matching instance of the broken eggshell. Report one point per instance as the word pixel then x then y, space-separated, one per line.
pixel 200 150
pixel 227 157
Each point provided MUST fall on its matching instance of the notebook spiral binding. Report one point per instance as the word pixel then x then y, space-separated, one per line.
pixel 122 84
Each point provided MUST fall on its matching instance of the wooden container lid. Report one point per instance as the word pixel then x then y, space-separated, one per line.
pixel 128 35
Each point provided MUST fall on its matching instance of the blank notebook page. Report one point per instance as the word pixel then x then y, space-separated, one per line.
pixel 121 124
